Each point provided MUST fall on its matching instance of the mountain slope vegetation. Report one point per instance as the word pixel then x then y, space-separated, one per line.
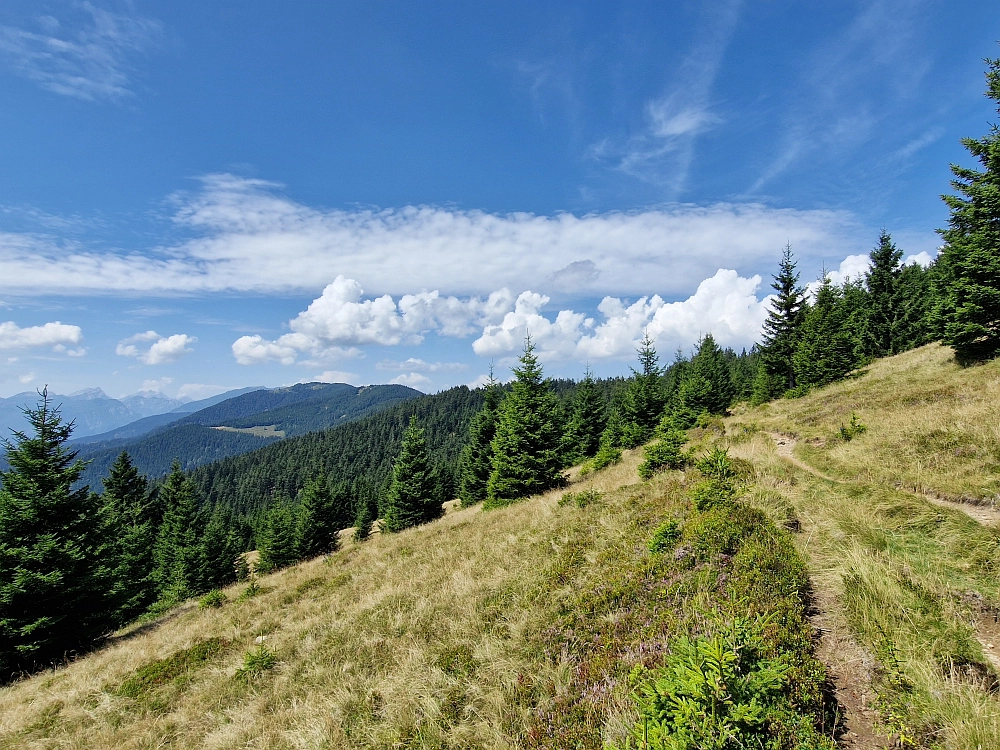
pixel 291 411
pixel 537 625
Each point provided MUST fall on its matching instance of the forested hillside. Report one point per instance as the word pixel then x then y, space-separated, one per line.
pixel 293 411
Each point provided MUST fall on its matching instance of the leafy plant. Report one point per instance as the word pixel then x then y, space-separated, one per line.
pixel 715 692
pixel 665 453
pixel 582 498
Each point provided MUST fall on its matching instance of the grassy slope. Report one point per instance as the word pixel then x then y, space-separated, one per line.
pixel 915 583
pixel 498 629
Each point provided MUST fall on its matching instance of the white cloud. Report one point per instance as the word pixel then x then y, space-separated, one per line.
pixel 334 376
pixel 418 365
pixel 84 57
pixel 254 239
pixel 340 320
pixel 923 259
pixel 26 378
pixel 412 379
pixel 725 305
pixel 156 386
pixel 56 335
pixel 163 350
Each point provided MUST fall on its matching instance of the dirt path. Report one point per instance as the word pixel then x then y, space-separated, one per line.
pixel 984 514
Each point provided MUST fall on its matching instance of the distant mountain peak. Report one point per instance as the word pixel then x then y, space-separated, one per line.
pixel 89 393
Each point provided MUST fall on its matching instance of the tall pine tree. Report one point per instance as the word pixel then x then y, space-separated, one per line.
pixel 644 398
pixel 177 549
pixel 52 588
pixel 410 500
pixel 587 421
pixel 780 338
pixel 476 460
pixel 707 385
pixel 276 538
pixel 128 518
pixel 826 350
pixel 317 534
pixel 526 457
pixel 881 307
pixel 969 264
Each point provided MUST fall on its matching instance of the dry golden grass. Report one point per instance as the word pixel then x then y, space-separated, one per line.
pixel 932 425
pixel 418 639
pixel 915 583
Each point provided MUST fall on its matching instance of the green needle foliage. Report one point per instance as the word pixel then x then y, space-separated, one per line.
pixel 276 540
pixel 410 500
pixel 317 532
pixel 707 386
pixel 52 587
pixel 970 262
pixel 582 437
pixel 781 332
pixel 644 398
pixel 476 461
pixel 825 352
pixel 128 519
pixel 177 549
pixel 526 458
pixel 882 300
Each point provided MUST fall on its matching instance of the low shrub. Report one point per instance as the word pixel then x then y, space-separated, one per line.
pixel 665 536
pixel 854 428
pixel 665 453
pixel 582 498
pixel 158 673
pixel 212 600
pixel 256 663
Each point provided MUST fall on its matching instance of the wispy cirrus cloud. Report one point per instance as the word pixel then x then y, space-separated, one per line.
pixel 662 153
pixel 86 54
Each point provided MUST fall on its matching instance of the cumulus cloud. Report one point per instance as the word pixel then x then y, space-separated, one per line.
pixel 163 349
pixel 56 335
pixel 84 57
pixel 249 237
pixel 334 376
pixel 198 391
pixel 412 379
pixel 155 386
pixel 725 305
pixel 340 320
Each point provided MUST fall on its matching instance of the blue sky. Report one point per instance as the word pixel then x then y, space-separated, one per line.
pixel 197 196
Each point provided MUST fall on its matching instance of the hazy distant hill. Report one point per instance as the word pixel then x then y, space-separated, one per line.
pixel 91 410
pixel 288 411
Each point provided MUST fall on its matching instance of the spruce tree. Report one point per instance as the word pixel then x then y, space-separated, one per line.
pixel 970 261
pixel 317 533
pixel 410 499
pixel 476 461
pixel 708 384
pixel 826 351
pixel 52 587
pixel 582 436
pixel 276 538
pixel 526 457
pixel 177 550
pixel 880 308
pixel 912 326
pixel 364 518
pixel 644 398
pixel 220 545
pixel 781 332
pixel 129 522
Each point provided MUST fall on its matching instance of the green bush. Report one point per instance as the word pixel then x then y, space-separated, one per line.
pixel 665 536
pixel 158 673
pixel 606 456
pixel 719 692
pixel 665 453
